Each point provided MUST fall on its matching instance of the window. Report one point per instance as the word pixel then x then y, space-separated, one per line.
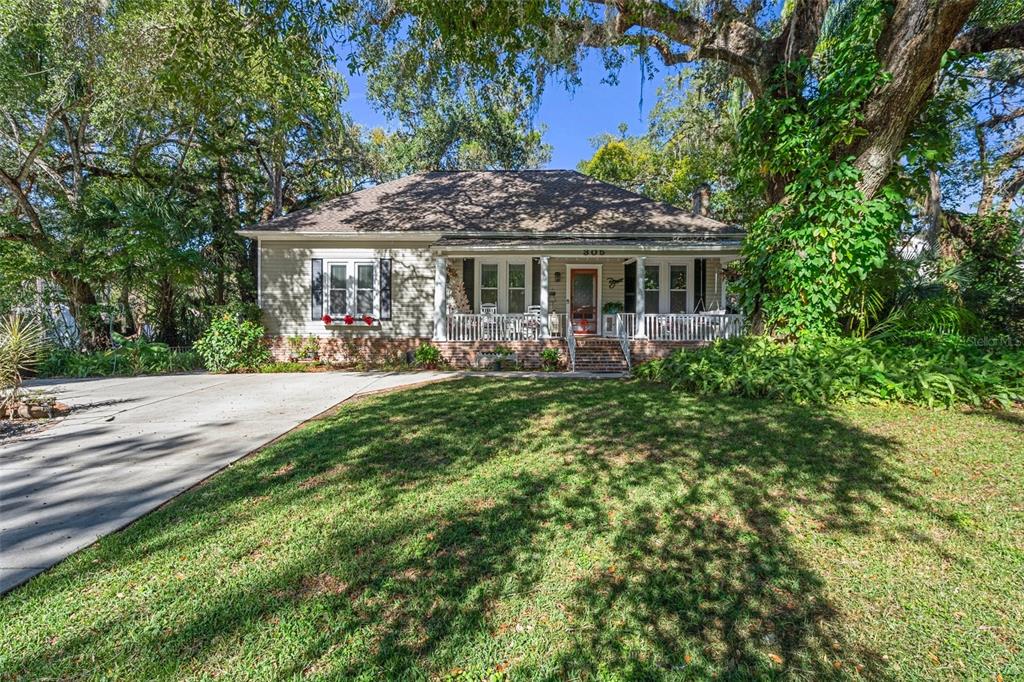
pixel 489 283
pixel 652 278
pixel 364 289
pixel 517 287
pixel 677 289
pixel 338 294
pixel 352 289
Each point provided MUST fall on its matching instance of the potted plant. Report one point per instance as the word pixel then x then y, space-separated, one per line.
pixel 550 359
pixel 295 344
pixel 310 349
pixel 502 357
pixel 21 343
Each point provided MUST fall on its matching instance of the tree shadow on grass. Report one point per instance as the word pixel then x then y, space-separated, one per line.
pixel 384 541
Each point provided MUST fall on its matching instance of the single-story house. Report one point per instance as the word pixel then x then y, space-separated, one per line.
pixel 473 260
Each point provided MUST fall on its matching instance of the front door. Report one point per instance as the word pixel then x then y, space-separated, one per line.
pixel 583 301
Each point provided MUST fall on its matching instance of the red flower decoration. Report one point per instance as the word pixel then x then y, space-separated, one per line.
pixel 368 320
pixel 327 319
pixel 349 319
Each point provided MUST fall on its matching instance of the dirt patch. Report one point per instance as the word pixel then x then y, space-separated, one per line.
pixel 312 586
pixel 284 470
pixel 319 479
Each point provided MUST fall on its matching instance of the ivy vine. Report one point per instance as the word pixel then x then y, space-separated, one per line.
pixel 805 256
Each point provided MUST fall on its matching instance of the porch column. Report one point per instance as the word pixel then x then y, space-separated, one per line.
pixel 440 299
pixel 544 297
pixel 641 302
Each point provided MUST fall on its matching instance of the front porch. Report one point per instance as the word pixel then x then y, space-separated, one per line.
pixel 642 305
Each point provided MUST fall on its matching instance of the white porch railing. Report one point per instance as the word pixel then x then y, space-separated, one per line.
pixel 620 332
pixel 526 327
pixel 570 347
pixel 504 327
pixel 686 326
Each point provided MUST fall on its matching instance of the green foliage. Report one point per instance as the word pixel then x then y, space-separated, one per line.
pixel 304 347
pixel 550 359
pixel 805 257
pixel 819 370
pixel 21 343
pixel 991 250
pixel 612 308
pixel 132 358
pixel 285 367
pixel 170 123
pixel 230 345
pixel 690 142
pixel 428 356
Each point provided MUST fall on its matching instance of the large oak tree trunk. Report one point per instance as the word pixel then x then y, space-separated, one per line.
pixel 166 319
pixel 910 50
pixel 93 332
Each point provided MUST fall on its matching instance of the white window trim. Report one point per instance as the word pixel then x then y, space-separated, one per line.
pixel 688 303
pixel 350 277
pixel 502 263
pixel 665 280
pixel 527 276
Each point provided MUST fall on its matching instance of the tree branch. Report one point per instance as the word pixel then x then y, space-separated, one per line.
pixel 990 39
pixel 22 200
pixel 800 35
pixel 727 38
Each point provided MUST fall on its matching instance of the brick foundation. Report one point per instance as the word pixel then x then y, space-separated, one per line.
pixel 350 350
pixel 372 350
pixel 467 354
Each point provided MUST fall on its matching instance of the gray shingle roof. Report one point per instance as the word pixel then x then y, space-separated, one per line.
pixel 503 202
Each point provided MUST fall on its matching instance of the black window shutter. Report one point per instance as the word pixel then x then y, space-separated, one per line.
pixel 316 307
pixel 700 281
pixel 629 296
pixel 468 271
pixel 535 277
pixel 385 288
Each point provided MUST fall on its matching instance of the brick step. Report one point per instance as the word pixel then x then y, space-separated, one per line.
pixel 598 354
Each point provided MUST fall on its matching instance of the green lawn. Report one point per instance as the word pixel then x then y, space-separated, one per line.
pixel 554 529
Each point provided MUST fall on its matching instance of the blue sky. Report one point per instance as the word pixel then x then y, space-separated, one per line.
pixel 572 118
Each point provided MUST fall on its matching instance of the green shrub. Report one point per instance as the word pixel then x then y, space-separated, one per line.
pixel 230 345
pixel 612 308
pixel 152 358
pixel 833 370
pixel 550 359
pixel 428 356
pixel 21 343
pixel 282 367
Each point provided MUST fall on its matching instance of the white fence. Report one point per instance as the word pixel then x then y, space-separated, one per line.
pixel 488 327
pixel 527 327
pixel 686 326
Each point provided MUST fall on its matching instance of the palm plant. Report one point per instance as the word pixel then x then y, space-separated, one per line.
pixel 21 344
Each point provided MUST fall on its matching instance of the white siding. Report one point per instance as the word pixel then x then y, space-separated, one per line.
pixel 285 282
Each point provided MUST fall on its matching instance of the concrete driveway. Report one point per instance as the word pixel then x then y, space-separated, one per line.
pixel 131 444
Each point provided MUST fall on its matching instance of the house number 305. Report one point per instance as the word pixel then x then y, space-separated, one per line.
pixel 593 252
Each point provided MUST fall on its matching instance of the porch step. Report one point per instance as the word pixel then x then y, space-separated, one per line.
pixel 596 354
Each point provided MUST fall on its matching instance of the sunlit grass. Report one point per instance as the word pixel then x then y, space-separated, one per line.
pixel 540 529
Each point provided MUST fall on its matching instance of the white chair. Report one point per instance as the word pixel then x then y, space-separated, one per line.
pixel 488 321
pixel 531 322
